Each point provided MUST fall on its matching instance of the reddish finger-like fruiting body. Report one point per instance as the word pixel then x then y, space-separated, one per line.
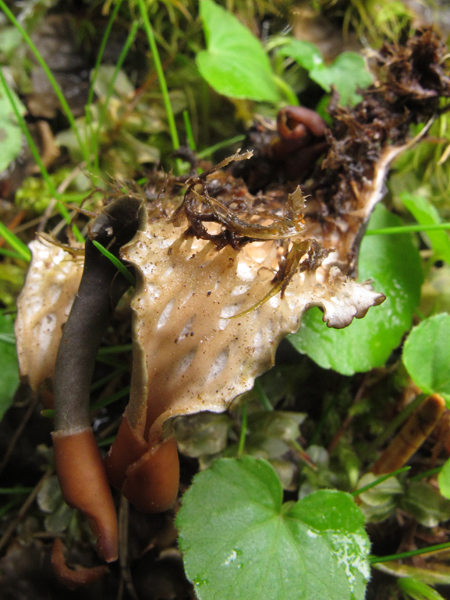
pixel 85 486
pixel 73 578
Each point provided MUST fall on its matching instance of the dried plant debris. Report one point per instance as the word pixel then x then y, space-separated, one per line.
pixel 362 142
pixel 411 79
pixel 223 275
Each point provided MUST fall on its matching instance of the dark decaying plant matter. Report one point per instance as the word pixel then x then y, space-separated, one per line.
pixel 223 275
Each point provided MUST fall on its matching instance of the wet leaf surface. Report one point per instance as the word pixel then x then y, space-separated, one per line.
pixel 426 353
pixel 235 63
pixel 393 263
pixel 316 548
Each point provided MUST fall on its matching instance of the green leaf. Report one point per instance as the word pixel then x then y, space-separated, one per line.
pixel 426 355
pixel 426 214
pixel 444 480
pixel 240 542
pixel 235 63
pixel 10 132
pixel 347 73
pixel 307 55
pixel 417 590
pixel 9 379
pixel 424 502
pixel 394 265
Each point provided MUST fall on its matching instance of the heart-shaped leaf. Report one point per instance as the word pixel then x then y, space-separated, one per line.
pixel 426 355
pixel 393 263
pixel 240 542
pixel 347 73
pixel 307 55
pixel 235 63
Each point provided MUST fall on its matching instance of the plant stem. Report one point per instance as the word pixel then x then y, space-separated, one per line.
pixel 378 481
pixel 262 396
pixel 189 136
pixel 160 72
pixel 377 559
pixel 287 90
pixel 425 474
pixel 50 76
pixel 243 431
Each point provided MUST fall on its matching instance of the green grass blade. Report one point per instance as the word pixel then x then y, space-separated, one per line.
pixel 35 152
pixel 50 76
pixel 15 243
pixel 116 349
pixel 262 396
pixel 189 135
pixel 369 486
pixel 208 151
pixel 8 338
pixel 110 399
pixel 377 559
pixel 243 435
pixel 17 490
pixel 116 262
pixel 408 229
pixel 160 72
pixel 107 441
pixel 107 378
pixel 96 68
pixel 10 253
pixel 426 474
pixel 120 61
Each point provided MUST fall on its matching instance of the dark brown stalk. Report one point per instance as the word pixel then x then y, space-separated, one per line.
pixel 78 461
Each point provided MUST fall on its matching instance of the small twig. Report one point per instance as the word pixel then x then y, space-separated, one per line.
pixel 17 434
pixel 125 575
pixel 24 509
